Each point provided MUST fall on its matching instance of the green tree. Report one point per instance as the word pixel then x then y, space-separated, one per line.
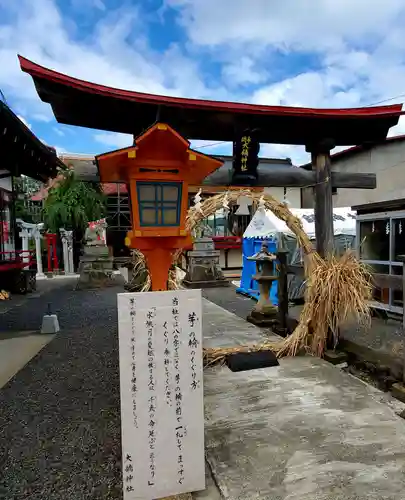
pixel 25 209
pixel 72 203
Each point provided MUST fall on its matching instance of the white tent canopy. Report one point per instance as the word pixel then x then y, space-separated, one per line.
pixel 265 224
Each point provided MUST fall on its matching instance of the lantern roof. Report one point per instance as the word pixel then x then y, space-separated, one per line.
pixel 160 149
pixel 78 102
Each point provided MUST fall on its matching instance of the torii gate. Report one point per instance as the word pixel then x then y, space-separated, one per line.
pixel 77 102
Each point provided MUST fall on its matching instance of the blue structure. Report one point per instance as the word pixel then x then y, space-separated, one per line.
pixel 248 286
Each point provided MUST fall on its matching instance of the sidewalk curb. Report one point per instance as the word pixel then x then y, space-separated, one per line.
pixel 374 356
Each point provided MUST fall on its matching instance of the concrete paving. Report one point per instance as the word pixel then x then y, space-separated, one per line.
pixel 222 328
pixel 18 345
pixel 304 430
pixel 17 351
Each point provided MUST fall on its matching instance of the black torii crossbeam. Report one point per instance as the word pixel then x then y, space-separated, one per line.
pixel 321 178
pixel 288 176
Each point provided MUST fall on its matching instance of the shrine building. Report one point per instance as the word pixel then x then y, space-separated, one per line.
pixel 22 154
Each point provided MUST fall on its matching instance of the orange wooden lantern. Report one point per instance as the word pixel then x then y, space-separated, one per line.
pixel 158 168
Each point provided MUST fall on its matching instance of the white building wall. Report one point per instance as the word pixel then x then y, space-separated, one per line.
pixel 387 161
pixel 293 195
pixel 6 182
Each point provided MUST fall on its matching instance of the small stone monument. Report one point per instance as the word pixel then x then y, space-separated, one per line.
pixel 203 270
pixel 28 232
pixel 265 312
pixel 96 265
pixel 67 244
pixel 50 323
pixel 36 233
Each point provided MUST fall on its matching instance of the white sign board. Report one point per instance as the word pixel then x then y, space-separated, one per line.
pixel 162 409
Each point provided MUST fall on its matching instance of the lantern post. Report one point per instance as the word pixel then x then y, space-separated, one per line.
pixel 158 169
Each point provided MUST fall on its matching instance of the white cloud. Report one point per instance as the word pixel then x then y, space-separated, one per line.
pixel 58 131
pixel 39 117
pixel 242 72
pixel 205 146
pixel 24 121
pixel 116 141
pixel 327 88
pixel 88 4
pixel 60 150
pixel 314 25
pixel 115 53
pixel 359 52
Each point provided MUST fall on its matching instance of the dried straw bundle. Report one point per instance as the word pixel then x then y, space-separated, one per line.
pixel 141 281
pixel 337 289
pixel 280 210
pixel 337 292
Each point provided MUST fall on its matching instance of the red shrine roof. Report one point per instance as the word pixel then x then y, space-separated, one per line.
pixel 81 103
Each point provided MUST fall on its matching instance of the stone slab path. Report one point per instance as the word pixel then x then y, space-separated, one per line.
pixel 305 430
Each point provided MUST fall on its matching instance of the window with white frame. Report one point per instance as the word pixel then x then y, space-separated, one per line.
pixel 381 242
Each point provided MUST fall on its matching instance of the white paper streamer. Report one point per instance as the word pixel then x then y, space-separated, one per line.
pixel 225 204
pixel 262 204
pixel 197 201
pixel 197 197
pixel 243 202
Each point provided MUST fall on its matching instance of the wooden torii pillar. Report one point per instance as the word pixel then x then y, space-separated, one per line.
pixel 323 207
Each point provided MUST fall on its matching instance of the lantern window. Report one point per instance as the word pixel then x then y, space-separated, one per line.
pixel 159 203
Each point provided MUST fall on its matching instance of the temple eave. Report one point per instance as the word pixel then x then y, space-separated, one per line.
pixel 81 103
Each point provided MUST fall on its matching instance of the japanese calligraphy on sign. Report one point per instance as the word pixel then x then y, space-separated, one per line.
pixel 245 152
pixel 246 140
pixel 162 413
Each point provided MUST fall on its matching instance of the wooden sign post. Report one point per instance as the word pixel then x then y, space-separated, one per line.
pixel 161 379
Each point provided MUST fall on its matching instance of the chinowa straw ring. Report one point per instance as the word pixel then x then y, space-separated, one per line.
pixel 337 288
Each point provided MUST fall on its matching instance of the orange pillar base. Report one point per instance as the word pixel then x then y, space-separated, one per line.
pixel 159 261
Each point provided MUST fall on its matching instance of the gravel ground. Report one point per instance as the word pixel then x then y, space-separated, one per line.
pixel 44 287
pixel 60 421
pixel 60 435
pixel 75 309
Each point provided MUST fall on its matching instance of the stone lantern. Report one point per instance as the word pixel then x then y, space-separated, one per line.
pixel 265 312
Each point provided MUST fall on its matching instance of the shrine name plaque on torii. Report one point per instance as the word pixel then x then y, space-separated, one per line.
pixel 77 102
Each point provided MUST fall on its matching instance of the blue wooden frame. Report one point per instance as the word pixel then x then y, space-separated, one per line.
pixel 158 204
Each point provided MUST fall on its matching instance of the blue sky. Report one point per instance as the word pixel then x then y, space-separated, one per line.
pixel 316 53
